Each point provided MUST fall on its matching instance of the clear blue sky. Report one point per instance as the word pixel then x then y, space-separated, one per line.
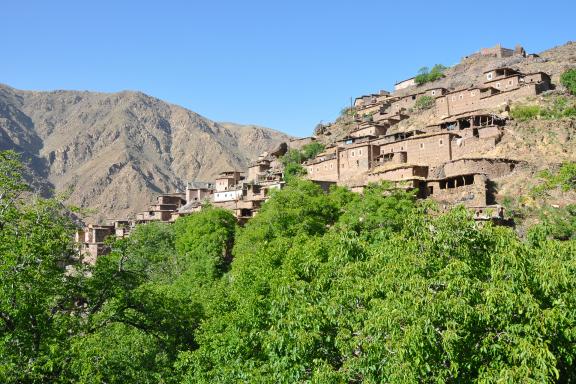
pixel 282 64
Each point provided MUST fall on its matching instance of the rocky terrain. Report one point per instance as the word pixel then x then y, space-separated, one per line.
pixel 111 153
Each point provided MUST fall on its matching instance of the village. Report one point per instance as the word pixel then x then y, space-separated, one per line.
pixel 438 161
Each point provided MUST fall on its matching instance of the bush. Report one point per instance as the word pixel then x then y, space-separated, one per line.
pixel 560 107
pixel 525 112
pixel 424 102
pixel 425 75
pixel 568 79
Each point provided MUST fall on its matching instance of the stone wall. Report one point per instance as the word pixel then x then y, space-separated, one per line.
pixel 459 190
pixel 398 173
pixel 493 168
pixel 464 147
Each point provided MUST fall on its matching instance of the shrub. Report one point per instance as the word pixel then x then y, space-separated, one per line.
pixel 424 102
pixel 525 112
pixel 560 107
pixel 294 158
pixel 568 79
pixel 425 75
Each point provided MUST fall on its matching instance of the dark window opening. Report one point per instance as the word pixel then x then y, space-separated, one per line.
pixel 413 97
pixel 431 190
pixel 468 180
pixel 443 184
pixel 450 183
pixel 459 181
pixel 475 132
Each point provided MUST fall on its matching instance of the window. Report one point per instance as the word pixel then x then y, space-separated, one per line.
pixel 359 152
pixel 413 97
pixel 461 96
pixel 489 76
pixel 357 163
pixel 421 145
pixel 498 85
pixel 317 169
pixel 510 82
pixel 331 166
pixel 433 93
pixel 441 142
pixel 325 166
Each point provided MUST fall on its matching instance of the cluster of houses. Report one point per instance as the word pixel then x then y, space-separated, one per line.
pixel 442 160
pixel 439 161
pixel 241 193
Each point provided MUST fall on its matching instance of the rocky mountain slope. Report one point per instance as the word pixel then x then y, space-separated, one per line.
pixel 114 152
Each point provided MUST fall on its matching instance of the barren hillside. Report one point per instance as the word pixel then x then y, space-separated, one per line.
pixel 113 152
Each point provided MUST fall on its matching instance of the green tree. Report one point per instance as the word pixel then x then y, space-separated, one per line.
pixel 394 294
pixel 38 312
pixel 426 75
pixel 294 158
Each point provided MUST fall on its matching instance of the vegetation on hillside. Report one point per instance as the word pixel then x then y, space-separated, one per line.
pixel 568 79
pixel 294 158
pixel 423 103
pixel 426 75
pixel 555 108
pixel 321 288
pixel 559 221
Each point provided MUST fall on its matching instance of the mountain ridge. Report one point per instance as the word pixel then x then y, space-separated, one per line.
pixel 114 151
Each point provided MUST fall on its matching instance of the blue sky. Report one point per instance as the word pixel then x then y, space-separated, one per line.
pixel 283 64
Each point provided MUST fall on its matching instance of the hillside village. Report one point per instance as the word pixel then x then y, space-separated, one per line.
pixel 442 159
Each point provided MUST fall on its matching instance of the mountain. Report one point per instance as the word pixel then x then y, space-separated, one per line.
pixel 114 151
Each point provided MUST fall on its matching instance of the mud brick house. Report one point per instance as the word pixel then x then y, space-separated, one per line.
pixel 198 191
pixel 162 210
pixel 91 241
pixel 468 189
pixel 369 129
pixel 499 51
pixel 500 86
pixel 405 83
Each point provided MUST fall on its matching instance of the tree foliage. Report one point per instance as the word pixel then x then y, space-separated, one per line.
pixel 321 288
pixel 294 158
pixel 426 75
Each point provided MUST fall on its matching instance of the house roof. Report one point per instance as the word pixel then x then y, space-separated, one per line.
pixel 392 167
pixel 402 81
pixel 501 68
